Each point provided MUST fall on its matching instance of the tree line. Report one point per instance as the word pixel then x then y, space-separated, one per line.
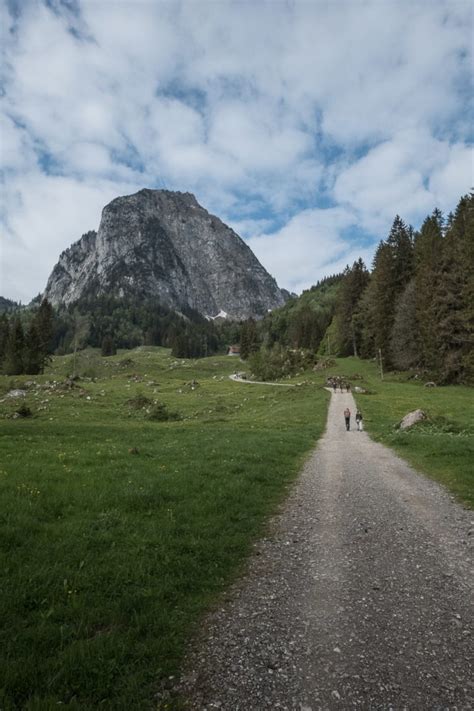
pixel 28 336
pixel 413 311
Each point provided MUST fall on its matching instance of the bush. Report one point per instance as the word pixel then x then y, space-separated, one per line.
pixel 160 413
pixel 24 411
pixel 277 362
pixel 139 402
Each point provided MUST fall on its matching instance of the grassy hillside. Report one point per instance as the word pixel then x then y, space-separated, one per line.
pixel 118 531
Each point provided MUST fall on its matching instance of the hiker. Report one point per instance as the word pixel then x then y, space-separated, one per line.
pixel 358 419
pixel 348 387
pixel 334 385
pixel 347 417
pixel 342 386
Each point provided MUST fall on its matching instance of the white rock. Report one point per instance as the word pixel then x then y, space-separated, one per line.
pixel 412 418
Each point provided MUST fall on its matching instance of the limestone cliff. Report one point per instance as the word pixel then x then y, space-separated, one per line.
pixel 158 243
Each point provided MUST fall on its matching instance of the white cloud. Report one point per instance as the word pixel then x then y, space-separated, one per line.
pixel 264 110
pixel 308 247
pixel 410 174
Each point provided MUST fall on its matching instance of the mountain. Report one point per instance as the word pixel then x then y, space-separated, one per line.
pixel 158 243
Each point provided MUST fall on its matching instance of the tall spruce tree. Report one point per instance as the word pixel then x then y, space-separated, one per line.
pixel 428 260
pixel 44 321
pixel 248 339
pixel 454 297
pixel 405 342
pixel 347 326
pixel 392 270
pixel 14 350
pixel 4 331
pixel 33 359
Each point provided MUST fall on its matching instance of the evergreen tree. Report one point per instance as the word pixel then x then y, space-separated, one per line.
pixel 348 328
pixel 392 270
pixel 108 346
pixel 400 241
pixel 13 360
pixel 428 257
pixel 381 305
pixel 404 344
pixel 454 298
pixel 248 339
pixel 4 331
pixel 33 361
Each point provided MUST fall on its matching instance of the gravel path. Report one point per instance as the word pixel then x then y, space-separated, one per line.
pixel 359 597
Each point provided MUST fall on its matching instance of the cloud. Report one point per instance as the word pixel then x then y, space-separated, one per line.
pixel 410 174
pixel 309 124
pixel 309 247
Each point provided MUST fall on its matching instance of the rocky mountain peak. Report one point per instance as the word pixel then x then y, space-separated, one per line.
pixel 159 243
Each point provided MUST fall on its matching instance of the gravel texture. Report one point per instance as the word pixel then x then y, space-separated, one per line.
pixel 360 596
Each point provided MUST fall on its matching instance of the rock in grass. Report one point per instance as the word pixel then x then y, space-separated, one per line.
pixel 412 418
pixel 17 393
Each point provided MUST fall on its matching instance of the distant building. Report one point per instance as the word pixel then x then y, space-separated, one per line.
pixel 233 350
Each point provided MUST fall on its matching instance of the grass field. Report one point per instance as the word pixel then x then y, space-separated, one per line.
pixel 117 531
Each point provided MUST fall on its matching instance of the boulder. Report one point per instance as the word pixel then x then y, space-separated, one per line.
pixel 358 389
pixel 17 393
pixel 430 384
pixel 412 418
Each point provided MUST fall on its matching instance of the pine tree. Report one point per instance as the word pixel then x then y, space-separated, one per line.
pixel 392 270
pixel 13 360
pixel 428 258
pixel 381 306
pixel 400 241
pixel 4 331
pixel 348 336
pixel 404 344
pixel 33 361
pixel 108 346
pixel 248 339
pixel 454 297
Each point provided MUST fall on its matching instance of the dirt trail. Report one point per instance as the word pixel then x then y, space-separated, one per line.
pixel 359 597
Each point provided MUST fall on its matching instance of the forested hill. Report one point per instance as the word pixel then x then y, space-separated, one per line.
pixel 303 321
pixel 414 311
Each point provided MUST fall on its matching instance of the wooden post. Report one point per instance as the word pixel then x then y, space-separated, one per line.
pixel 380 364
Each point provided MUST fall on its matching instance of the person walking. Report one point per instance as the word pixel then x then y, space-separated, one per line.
pixel 358 419
pixel 334 386
pixel 347 417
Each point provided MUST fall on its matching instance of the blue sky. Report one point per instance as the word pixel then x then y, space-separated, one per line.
pixel 306 126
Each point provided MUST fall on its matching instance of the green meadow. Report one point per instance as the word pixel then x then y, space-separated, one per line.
pixel 118 531
pixel 131 500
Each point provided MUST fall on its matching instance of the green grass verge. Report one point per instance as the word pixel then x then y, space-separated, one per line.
pixel 441 447
pixel 118 532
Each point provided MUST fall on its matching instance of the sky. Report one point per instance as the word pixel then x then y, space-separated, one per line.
pixel 304 125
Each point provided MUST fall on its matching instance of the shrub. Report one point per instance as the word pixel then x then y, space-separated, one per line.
pixel 160 413
pixel 24 411
pixel 139 402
